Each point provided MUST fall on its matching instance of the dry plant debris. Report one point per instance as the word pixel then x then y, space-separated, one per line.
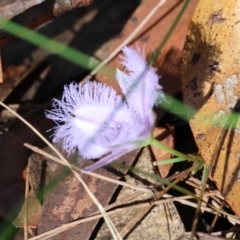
pixel 210 79
pixel 59 208
pixel 68 202
pixel 158 222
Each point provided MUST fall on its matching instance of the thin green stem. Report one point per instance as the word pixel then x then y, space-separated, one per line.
pixel 174 152
pixel 168 161
pixel 53 46
pixel 198 167
pixel 166 37
pixel 163 181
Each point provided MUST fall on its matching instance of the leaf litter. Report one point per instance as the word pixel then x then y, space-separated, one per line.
pixel 146 38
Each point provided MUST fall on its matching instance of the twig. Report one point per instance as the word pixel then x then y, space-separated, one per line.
pixel 215 218
pixel 109 223
pixel 232 230
pixel 26 204
pixel 208 236
pixel 141 189
pixel 67 226
pixel 38 150
pixel 182 175
pixel 139 216
pixel 134 187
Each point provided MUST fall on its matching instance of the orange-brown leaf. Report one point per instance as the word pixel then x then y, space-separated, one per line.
pixel 166 138
pixel 211 85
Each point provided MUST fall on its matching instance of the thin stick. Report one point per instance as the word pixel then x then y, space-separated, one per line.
pixel 144 211
pixel 37 150
pixel 26 203
pixel 215 219
pixel 181 199
pixel 40 151
pixel 232 230
pixel 108 221
pixel 126 41
pixel 112 228
pixel 210 237
pixel 203 188
pixel 1 72
pixel 134 187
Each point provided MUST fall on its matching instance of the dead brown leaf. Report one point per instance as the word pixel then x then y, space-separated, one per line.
pixel 163 135
pixel 211 77
pixel 68 200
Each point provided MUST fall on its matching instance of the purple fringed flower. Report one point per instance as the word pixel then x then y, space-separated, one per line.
pixel 95 120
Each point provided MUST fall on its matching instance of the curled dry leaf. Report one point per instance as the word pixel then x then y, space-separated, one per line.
pixel 211 85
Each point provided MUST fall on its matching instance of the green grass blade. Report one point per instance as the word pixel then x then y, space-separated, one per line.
pixel 168 161
pixel 52 46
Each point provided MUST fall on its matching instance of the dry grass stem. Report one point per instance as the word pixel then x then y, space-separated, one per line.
pixel 134 187
pixel 205 179
pixel 180 174
pixel 232 230
pixel 109 223
pixel 179 199
pixel 216 218
pixel 26 203
pixel 182 199
pixel 146 209
pixel 1 72
pixel 49 156
pixel 208 236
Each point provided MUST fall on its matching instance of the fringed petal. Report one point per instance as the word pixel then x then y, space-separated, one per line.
pixel 106 160
pixel 80 114
pixel 140 86
pixel 93 119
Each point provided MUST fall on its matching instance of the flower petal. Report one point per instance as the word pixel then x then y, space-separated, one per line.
pixel 140 86
pixel 95 120
pixel 82 110
pixel 106 160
